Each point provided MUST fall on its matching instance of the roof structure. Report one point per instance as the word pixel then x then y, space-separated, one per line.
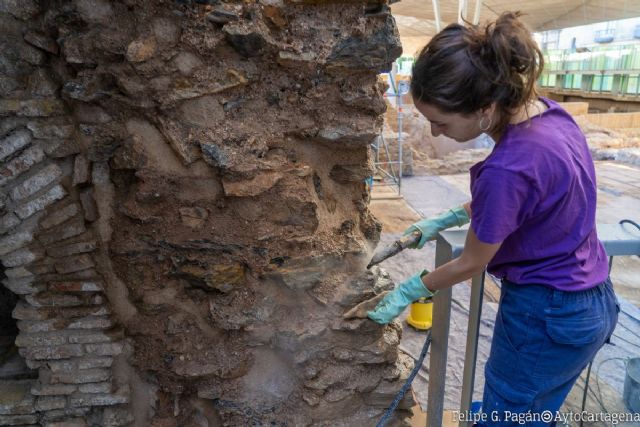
pixel 418 20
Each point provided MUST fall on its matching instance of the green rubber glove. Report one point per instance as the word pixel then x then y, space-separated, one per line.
pixel 430 227
pixel 397 300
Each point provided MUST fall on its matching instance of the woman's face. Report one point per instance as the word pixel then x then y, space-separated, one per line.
pixel 461 127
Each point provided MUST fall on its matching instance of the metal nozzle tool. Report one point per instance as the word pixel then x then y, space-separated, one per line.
pixel 398 246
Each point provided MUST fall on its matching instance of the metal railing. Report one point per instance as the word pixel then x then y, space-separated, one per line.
pixel 617 239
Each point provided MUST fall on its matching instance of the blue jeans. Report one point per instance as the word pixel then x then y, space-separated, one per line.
pixel 543 339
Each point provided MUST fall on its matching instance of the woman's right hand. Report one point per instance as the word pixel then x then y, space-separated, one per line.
pixel 430 227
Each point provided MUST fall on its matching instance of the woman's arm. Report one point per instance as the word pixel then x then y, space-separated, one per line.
pixel 473 260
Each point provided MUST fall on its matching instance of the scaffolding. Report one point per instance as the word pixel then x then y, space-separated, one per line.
pixel 389 171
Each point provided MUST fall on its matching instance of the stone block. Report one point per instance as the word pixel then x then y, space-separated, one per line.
pixel 45 299
pixel 42 41
pixel 81 170
pixel 116 417
pixel 18 420
pixel 40 339
pixel 141 50
pixel 18 273
pixel 7 222
pixel 74 263
pixel 25 161
pixel 40 202
pixel 73 365
pixel 58 216
pixel 81 376
pixel 193 217
pixel 47 129
pixel 245 40
pixel 53 389
pixel 42 83
pixel 36 182
pixel 76 286
pixel 97 399
pixel 82 337
pixel 103 387
pixel 14 241
pixel 64 231
pixel 14 142
pixel 107 349
pixel 24 311
pixel 52 352
pixel 47 403
pixel 89 205
pixel 57 148
pixel 20 257
pixel 42 107
pixel 39 325
pixel 60 251
pixel 63 415
pixel 91 322
pixel 76 422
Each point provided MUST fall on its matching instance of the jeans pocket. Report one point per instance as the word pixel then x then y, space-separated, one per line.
pixel 574 332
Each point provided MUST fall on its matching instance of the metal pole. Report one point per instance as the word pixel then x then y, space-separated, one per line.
pixel 436 14
pixel 400 116
pixel 476 13
pixel 439 342
pixel 471 352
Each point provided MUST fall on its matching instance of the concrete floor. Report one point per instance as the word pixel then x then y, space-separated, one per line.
pixel 618 198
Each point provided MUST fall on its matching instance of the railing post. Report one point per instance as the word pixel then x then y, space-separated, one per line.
pixel 439 342
pixel 471 352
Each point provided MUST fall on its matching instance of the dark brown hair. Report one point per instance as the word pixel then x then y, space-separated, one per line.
pixel 465 68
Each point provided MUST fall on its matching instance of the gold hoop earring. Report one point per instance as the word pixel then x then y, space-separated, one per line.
pixel 481 125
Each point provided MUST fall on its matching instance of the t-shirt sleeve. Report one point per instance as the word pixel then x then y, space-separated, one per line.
pixel 501 201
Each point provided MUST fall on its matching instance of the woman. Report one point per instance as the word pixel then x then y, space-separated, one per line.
pixel 532 218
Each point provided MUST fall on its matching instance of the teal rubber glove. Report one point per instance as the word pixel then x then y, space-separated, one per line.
pixel 430 227
pixel 397 300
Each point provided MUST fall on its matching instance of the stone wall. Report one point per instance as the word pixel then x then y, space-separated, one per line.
pixel 184 215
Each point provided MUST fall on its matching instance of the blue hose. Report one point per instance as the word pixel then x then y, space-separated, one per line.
pixel 407 384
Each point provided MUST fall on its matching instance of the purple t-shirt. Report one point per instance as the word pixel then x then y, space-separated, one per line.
pixel 536 193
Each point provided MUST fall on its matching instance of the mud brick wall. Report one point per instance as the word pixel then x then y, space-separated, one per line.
pixel 183 211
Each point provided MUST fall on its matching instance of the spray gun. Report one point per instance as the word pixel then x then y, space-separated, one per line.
pixel 420 316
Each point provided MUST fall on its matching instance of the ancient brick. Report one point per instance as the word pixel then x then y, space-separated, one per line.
pixel 73 365
pixel 89 205
pixel 43 107
pixel 7 222
pixel 110 349
pixel 42 41
pixel 59 216
pixel 81 170
pixel 74 263
pixel 36 182
pixel 52 352
pixel 15 398
pixel 17 273
pixel 40 202
pixel 20 257
pixel 63 231
pixel 103 387
pixel 97 399
pixel 53 389
pixel 30 157
pixel 76 286
pixel 46 129
pixel 57 148
pixel 17 420
pixel 14 241
pixel 14 142
pixel 42 84
pixel 60 251
pixel 91 323
pixel 59 417
pixel 40 339
pixel 81 337
pixel 76 422
pixel 81 376
pixel 39 325
pixel 24 311
pixel 54 300
pixel 77 313
pixel 47 403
